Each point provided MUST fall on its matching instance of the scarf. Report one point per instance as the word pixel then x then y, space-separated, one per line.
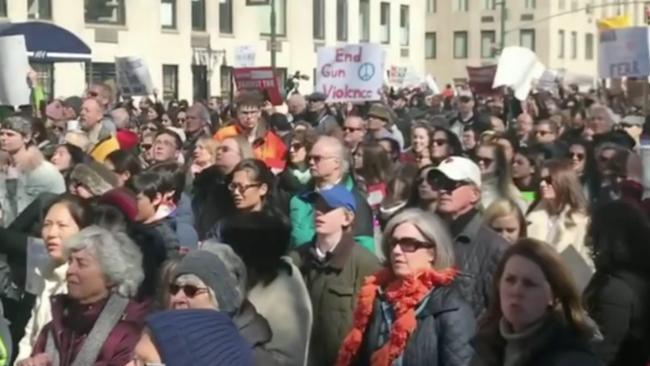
pixel 404 295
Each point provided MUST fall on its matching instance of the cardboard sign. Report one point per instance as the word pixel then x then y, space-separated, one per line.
pixel 245 56
pixel 351 73
pixel 14 66
pixel 133 76
pixel 481 78
pixel 261 79
pixel 624 52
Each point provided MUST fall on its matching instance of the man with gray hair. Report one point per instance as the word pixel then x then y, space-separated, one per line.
pixel 329 165
pixel 196 125
pixel 104 274
pixel 600 121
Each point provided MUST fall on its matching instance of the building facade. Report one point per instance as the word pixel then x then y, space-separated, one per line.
pixel 563 34
pixel 189 45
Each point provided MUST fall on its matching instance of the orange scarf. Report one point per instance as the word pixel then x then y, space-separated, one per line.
pixel 404 295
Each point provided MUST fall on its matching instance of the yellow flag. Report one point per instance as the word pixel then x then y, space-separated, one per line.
pixel 619 21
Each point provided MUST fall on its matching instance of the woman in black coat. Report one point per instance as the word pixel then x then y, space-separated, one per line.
pixel 618 295
pixel 535 317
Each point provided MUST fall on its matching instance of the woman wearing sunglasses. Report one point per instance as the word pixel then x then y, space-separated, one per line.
pixel 583 162
pixel 295 177
pixel 409 312
pixel 496 176
pixel 444 144
pixel 559 216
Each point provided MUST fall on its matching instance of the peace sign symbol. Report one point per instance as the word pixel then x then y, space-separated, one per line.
pixel 366 71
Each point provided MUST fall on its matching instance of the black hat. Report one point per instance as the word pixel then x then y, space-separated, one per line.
pixel 316 97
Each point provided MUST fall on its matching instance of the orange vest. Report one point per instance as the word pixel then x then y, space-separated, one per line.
pixel 270 148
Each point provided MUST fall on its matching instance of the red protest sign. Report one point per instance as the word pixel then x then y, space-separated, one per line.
pixel 261 79
pixel 481 79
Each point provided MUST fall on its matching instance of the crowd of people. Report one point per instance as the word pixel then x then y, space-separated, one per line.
pixel 424 229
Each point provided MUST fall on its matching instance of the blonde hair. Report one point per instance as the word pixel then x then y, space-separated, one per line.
pixel 505 207
pixel 210 145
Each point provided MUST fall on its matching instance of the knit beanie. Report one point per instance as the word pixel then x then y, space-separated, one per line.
pixel 94 176
pixel 211 270
pixel 122 199
pixel 198 337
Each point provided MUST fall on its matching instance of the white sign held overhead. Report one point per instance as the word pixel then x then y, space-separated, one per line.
pixel 14 66
pixel 433 86
pixel 517 68
pixel 133 76
pixel 624 52
pixel 245 56
pixel 351 73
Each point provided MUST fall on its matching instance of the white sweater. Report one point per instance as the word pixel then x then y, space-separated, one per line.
pixel 54 284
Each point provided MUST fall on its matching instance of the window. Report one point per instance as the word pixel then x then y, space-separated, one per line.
pixel 404 25
pixel 460 5
pixel 170 82
pixel 37 9
pixel 3 8
pixel 430 45
pixel 560 53
pixel 529 4
pixel 226 81
pixel 168 14
pixel 488 41
pixel 574 45
pixel 561 4
pixel 342 20
pixel 101 72
pixel 384 22
pixel 432 6
pixel 589 46
pixel 105 12
pixel 280 18
pixel 364 20
pixel 527 38
pixel 198 15
pixel 460 44
pixel 319 19
pixel 225 17
pixel 574 5
pixel 489 4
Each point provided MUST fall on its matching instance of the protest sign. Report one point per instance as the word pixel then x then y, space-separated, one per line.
pixel 351 73
pixel 480 79
pixel 14 66
pixel 245 56
pixel 431 83
pixel 624 52
pixel 133 76
pixel 396 75
pixel 517 68
pixel 261 79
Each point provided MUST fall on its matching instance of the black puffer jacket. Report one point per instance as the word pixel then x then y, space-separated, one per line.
pixel 211 200
pixel 442 337
pixel 478 251
pixel 620 304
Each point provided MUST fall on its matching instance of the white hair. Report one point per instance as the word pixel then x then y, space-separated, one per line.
pixel 342 153
pixel 119 257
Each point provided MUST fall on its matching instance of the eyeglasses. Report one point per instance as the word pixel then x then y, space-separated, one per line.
pixel 189 290
pixel 410 245
pixel 296 146
pixel 232 187
pixel 578 156
pixel 352 129
pixel 485 161
pixel 439 142
pixel 318 158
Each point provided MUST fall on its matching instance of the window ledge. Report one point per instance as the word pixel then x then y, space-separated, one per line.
pixel 170 31
pixel 227 35
pixel 203 33
pixel 120 27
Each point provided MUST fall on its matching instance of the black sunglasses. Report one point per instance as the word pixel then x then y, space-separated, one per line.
pixel 296 146
pixel 548 180
pixel 439 142
pixel 579 156
pixel 146 146
pixel 189 290
pixel 486 161
pixel 410 245
pixel 444 184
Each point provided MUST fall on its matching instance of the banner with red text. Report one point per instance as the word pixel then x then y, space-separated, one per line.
pixel 259 78
pixel 481 78
pixel 351 73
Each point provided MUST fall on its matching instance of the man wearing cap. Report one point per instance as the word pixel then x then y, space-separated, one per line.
pixel 478 249
pixel 633 126
pixel 72 108
pixel 267 146
pixel 333 267
pixel 25 174
pixel 380 119
pixel 329 165
pixel 465 116
pixel 324 122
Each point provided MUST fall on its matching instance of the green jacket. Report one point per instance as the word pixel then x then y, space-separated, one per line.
pixel 302 219
pixel 333 285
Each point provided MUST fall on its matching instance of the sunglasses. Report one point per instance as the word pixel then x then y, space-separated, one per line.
pixel 548 180
pixel 445 184
pixel 93 94
pixel 578 156
pixel 542 133
pixel 439 142
pixel 318 158
pixel 149 128
pixel 296 146
pixel 485 161
pixel 189 290
pixel 146 146
pixel 352 129
pixel 410 245
pixel 181 119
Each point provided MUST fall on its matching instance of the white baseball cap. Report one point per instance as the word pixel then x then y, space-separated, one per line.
pixel 460 169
